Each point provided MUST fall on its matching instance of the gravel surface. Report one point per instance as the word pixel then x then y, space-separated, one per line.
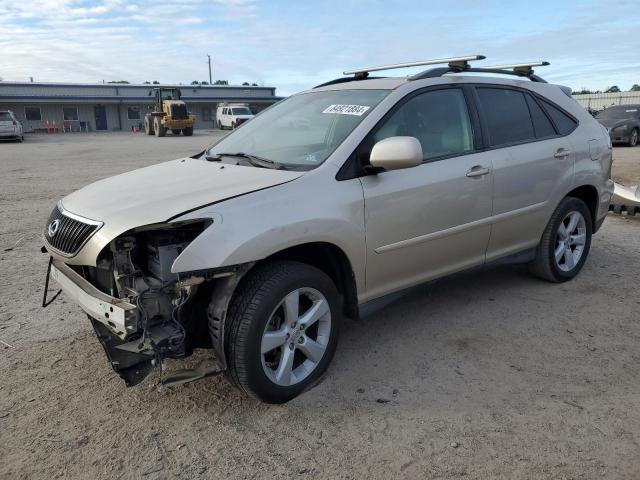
pixel 490 374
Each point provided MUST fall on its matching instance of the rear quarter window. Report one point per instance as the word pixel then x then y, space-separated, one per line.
pixel 4 116
pixel 564 123
pixel 506 115
pixel 541 123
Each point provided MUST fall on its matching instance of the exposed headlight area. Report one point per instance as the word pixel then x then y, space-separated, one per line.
pixel 135 268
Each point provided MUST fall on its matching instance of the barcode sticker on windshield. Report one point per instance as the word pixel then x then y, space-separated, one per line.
pixel 346 109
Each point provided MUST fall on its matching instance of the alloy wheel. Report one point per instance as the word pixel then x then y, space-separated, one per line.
pixel 570 241
pixel 296 336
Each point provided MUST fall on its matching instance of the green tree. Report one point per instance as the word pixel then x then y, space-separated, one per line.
pixel 195 82
pixel 635 88
pixel 221 82
pixel 246 84
pixel 614 89
pixel 156 82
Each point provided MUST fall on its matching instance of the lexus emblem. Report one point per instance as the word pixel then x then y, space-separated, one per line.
pixel 53 228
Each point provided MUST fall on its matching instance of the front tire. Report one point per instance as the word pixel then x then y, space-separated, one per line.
pixel 148 126
pixel 187 132
pixel 158 128
pixel 565 243
pixel 633 138
pixel 282 330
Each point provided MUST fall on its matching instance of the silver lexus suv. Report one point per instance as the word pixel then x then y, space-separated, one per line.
pixel 258 247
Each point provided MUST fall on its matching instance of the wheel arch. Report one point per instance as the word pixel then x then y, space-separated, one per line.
pixel 589 195
pixel 333 261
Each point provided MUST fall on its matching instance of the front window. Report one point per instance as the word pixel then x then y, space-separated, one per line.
pixel 438 119
pixel 33 114
pixel 303 130
pixel 133 113
pixel 242 111
pixel 618 113
pixel 70 113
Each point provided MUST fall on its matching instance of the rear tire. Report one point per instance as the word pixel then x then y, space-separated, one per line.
pixel 282 330
pixel 187 132
pixel 158 128
pixel 148 126
pixel 565 243
pixel 633 138
pixel 219 125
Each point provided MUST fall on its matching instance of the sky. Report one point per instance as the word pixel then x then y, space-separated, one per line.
pixel 294 45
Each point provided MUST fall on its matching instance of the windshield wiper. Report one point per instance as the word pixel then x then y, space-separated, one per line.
pixel 254 160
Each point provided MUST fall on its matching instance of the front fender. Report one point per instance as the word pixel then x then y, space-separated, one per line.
pixel 252 227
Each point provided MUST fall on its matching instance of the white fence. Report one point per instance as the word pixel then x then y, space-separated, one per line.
pixel 599 101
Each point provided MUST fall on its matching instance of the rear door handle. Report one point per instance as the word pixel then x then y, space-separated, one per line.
pixel 562 152
pixel 477 171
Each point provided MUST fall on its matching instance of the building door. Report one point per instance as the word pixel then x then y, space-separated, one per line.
pixel 101 117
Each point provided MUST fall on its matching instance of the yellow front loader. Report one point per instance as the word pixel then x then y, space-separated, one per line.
pixel 168 113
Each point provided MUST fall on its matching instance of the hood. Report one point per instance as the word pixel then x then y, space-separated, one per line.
pixel 157 193
pixel 612 123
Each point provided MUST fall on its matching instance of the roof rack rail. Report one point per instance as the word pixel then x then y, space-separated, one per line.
pixel 455 62
pixel 518 69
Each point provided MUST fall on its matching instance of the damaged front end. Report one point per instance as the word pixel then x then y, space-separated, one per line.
pixel 143 313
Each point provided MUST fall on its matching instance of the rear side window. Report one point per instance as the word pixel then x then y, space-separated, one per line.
pixel 564 123
pixel 507 115
pixel 4 116
pixel 541 123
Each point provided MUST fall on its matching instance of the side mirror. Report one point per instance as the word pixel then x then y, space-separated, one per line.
pixel 394 153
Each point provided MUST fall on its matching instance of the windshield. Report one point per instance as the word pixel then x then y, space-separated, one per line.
pixel 618 113
pixel 303 130
pixel 5 116
pixel 242 111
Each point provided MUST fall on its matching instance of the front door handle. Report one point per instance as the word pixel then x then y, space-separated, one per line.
pixel 477 171
pixel 562 152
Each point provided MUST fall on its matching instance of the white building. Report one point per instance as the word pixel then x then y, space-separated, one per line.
pixel 117 106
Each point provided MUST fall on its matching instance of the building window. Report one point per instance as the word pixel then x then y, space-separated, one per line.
pixel 133 113
pixel 206 114
pixel 70 113
pixel 33 114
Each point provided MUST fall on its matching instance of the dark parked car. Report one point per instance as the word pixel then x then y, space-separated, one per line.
pixel 622 122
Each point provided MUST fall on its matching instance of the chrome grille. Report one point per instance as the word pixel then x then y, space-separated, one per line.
pixel 67 233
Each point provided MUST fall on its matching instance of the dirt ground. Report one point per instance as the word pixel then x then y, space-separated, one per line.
pixel 491 374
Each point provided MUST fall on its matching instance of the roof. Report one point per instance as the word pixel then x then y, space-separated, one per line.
pixel 112 85
pixel 119 93
pixel 391 83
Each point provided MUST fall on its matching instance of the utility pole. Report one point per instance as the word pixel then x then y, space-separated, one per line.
pixel 210 79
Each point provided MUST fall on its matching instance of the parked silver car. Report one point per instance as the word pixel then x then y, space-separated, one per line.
pixel 10 126
pixel 258 247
